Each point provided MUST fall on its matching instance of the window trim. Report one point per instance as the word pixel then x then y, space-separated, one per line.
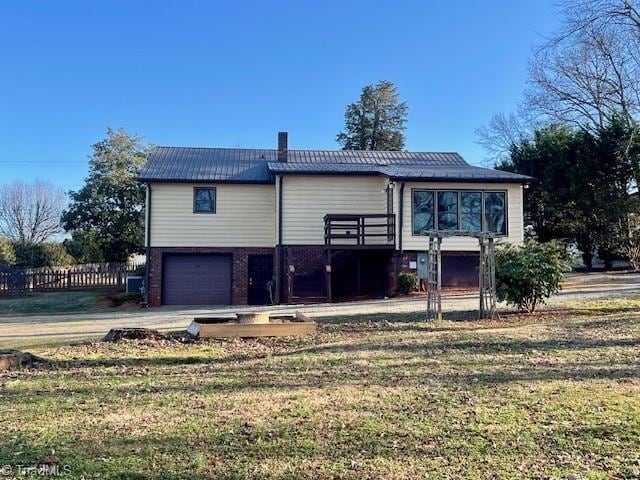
pixel 435 191
pixel 215 201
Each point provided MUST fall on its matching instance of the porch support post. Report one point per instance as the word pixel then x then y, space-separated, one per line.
pixel 327 275
pixel 289 276
pixel 359 273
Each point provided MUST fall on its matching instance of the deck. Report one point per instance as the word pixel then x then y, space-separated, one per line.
pixel 360 231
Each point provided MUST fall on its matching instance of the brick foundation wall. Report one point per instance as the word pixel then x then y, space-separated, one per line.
pixel 459 269
pixel 307 259
pixel 239 267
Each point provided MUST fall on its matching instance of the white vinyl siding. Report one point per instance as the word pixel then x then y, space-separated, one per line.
pixel 245 216
pixel 514 215
pixel 307 199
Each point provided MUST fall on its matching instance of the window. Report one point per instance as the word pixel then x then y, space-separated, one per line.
pixel 447 210
pixel 471 211
pixel 204 200
pixel 422 211
pixel 467 210
pixel 495 212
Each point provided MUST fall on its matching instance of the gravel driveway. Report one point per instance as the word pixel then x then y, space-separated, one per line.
pixel 26 329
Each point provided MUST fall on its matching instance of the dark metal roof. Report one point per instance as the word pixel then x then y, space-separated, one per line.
pixel 371 157
pixel 180 164
pixel 461 173
pixel 416 171
pixel 329 168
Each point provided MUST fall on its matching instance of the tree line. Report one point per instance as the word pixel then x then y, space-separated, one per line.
pixel 577 132
pixel 103 221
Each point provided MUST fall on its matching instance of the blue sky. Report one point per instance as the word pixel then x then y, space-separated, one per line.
pixel 233 73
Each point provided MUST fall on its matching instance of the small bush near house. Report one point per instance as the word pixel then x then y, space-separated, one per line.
pixel 528 274
pixel 407 282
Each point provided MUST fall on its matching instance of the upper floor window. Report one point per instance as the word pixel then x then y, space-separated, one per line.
pixel 465 210
pixel 204 200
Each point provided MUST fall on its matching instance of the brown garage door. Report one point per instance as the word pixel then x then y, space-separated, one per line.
pixel 196 280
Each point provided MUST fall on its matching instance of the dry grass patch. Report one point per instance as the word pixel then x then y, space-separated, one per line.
pixel 374 397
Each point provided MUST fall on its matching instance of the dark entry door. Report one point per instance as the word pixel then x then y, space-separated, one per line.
pixel 260 274
pixel 196 280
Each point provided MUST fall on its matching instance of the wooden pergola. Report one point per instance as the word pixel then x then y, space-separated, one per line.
pixel 487 273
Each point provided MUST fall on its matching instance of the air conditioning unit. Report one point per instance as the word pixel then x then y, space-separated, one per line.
pixel 135 284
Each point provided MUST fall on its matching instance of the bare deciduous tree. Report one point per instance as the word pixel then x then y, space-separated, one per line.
pixel 30 212
pixel 590 70
pixel 502 133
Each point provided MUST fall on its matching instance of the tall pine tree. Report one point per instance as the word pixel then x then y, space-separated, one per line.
pixel 376 121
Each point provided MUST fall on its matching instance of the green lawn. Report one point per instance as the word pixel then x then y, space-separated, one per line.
pixel 59 303
pixel 550 397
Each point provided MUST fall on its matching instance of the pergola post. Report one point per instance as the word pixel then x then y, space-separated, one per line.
pixel 491 257
pixel 434 279
pixel 486 276
pixel 481 277
pixel 439 288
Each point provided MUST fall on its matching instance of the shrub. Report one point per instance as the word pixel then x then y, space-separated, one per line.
pixel 407 282
pixel 84 247
pixel 528 274
pixel 141 270
pixel 633 243
pixel 7 253
pixel 37 255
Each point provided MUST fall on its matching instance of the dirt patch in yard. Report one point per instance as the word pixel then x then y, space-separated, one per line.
pixel 120 300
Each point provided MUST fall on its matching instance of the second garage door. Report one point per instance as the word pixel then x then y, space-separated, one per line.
pixel 196 280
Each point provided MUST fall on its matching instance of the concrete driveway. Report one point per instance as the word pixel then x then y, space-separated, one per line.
pixel 39 328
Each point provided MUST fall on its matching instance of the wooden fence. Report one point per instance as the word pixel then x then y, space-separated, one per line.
pixel 99 276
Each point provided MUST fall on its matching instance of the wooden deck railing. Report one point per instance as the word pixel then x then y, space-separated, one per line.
pixel 377 230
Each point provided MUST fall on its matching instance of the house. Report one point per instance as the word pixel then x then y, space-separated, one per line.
pixel 251 226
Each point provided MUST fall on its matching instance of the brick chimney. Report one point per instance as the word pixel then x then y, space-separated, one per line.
pixel 282 146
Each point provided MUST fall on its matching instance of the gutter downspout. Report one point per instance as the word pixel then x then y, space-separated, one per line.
pixel 147 266
pixel 279 247
pixel 399 226
pixel 400 216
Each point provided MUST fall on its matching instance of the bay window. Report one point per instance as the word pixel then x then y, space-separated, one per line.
pixel 464 210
